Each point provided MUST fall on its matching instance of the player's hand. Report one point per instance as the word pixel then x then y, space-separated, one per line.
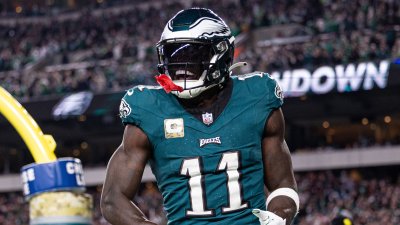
pixel 268 218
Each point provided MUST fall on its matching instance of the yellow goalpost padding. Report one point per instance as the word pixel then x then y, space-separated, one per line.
pixel 40 145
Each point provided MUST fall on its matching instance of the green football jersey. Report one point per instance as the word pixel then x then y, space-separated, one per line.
pixel 209 171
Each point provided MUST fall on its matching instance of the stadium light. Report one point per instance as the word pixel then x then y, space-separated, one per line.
pixel 387 119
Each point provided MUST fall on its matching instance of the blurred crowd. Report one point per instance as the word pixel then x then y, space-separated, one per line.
pixel 111 48
pixel 369 201
pixel 340 32
pixel 366 199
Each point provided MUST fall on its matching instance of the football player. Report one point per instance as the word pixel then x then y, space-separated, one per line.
pixel 213 140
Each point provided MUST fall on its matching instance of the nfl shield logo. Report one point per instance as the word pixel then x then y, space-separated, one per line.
pixel 208 118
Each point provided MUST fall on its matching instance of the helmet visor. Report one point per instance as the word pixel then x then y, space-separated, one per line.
pixel 185 61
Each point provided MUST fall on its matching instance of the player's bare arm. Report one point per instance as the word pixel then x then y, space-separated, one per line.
pixel 124 174
pixel 278 171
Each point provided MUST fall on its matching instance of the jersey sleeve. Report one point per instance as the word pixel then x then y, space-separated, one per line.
pixel 269 97
pixel 274 96
pixel 128 108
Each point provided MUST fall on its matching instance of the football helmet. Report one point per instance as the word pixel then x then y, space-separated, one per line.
pixel 195 51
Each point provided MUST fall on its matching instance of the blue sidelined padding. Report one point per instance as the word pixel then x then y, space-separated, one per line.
pixel 63 174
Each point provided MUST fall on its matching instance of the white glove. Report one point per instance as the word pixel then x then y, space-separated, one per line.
pixel 268 218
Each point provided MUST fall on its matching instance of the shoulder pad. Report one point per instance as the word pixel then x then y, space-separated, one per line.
pixel 251 75
pixel 134 100
pixel 263 85
pixel 141 88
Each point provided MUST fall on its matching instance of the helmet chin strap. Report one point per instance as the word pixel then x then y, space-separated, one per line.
pixel 192 93
pixel 169 86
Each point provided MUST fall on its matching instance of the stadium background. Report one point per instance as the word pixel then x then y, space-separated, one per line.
pixel 338 63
